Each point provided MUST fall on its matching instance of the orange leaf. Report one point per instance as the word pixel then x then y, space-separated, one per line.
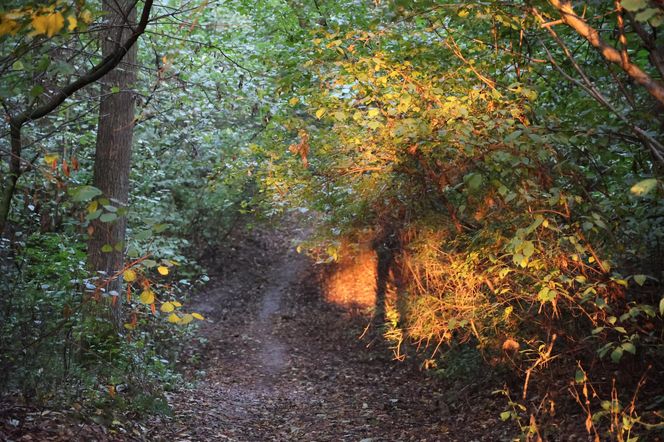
pixel 111 390
pixel 128 293
pixel 153 309
pixel 74 162
pixel 65 168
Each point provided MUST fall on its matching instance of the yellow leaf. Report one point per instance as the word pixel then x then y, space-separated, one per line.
pixel 86 16
pixel 147 296
pixel 72 23
pixel 92 207
pixel 186 319
pixel 173 318
pixel 198 316
pixel 373 112
pixel 167 307
pixel 7 25
pixel 163 270
pixel 49 24
pixel 176 303
pixel 49 158
pixel 293 101
pixel 129 326
pixel 320 112
pixel 129 275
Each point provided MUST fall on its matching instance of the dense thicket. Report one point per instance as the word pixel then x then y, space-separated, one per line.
pixel 503 160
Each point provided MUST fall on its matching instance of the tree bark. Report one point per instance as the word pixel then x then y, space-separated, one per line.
pixel 113 150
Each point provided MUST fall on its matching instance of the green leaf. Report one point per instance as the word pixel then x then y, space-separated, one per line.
pixel 661 306
pixel 93 215
pixel 528 249
pixel 616 354
pixel 646 14
pixel 643 187
pixel 106 248
pixel 108 217
pixel 640 279
pixel 473 181
pixel 629 347
pixel 85 193
pixel 634 5
pixel 579 376
pixel 36 90
pixel 505 415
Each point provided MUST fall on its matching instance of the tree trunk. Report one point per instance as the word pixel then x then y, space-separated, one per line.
pixel 113 149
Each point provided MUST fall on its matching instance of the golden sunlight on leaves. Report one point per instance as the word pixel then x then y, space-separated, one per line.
pixel 147 296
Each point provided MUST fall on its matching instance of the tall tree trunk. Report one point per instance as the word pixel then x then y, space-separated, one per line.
pixel 114 141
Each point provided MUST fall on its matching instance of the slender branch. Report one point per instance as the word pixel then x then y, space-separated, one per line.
pixel 654 88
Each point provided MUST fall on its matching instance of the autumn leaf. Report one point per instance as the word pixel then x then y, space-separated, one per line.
pixel 71 23
pixel 198 316
pixel 186 319
pixel 163 270
pixel 173 318
pixel 167 307
pixel 49 24
pixel 147 296
pixel 129 275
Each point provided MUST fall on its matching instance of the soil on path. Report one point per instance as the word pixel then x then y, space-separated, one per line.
pixel 280 364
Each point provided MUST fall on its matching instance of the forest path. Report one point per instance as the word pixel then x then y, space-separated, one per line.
pixel 281 364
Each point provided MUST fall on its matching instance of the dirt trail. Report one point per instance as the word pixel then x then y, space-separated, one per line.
pixel 280 364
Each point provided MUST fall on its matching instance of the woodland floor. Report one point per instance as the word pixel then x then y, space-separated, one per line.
pixel 281 364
